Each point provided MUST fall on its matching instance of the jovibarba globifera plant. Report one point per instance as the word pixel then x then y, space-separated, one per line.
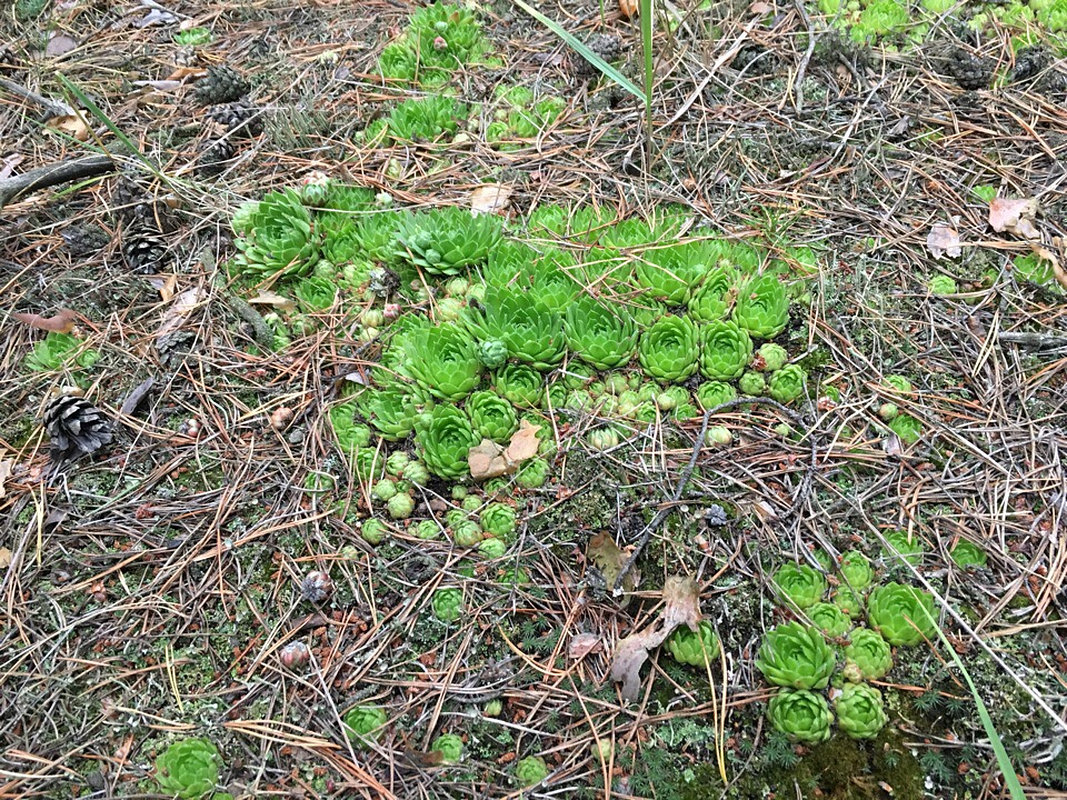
pixel 189 769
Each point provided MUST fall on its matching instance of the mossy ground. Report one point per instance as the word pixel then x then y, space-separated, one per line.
pixel 152 589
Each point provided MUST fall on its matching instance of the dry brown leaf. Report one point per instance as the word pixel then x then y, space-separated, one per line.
pixel 761 8
pixel 491 460
pixel 5 473
pixel 71 124
pixel 179 311
pixel 184 72
pixel 582 644
pixel 943 240
pixel 58 45
pixel 60 322
pixel 1046 254
pixel 490 198
pixel 273 299
pixel 5 558
pixel 681 597
pixel 1014 215
pixel 609 559
pixel 628 8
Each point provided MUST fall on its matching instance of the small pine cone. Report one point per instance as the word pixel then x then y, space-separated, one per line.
pixel 185 57
pixel 606 45
pixel 243 118
pixel 84 240
pixel 75 427
pixel 1029 62
pixel 215 157
pixel 132 204
pixel 316 586
pixel 144 248
pixel 970 71
pixel 222 84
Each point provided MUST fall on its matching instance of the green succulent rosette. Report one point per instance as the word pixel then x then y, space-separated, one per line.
pixel 493 353
pixel 492 416
pixel 188 768
pixel 669 349
pixel 856 569
pixel 902 546
pixel 907 428
pixel 533 474
pixel 713 299
pixel 725 352
pixel 443 360
pixel 467 533
pixel 796 656
pixel 770 357
pixel 364 723
pixel 282 242
pixel 762 307
pixel 670 273
pixel 801 715
pixel 499 520
pixel 829 619
pixel 966 554
pixel 904 615
pixel 446 241
pixel 714 393
pixel 349 434
pixel 445 436
pixel 425 119
pixel 449 746
pixel 530 332
pixel 860 711
pixel 598 335
pixel 694 647
pixel 447 603
pixel 850 603
pixel 550 286
pixel 522 385
pixel 799 585
pixel 752 383
pixel 391 410
pixel 531 770
pixel 869 654
pixel 787 384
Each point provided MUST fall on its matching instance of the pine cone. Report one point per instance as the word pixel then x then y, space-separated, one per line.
pixel 1029 62
pixel 132 204
pixel 970 71
pixel 245 119
pixel 215 156
pixel 222 84
pixel 144 248
pixel 84 240
pixel 75 427
pixel 9 61
pixel 606 45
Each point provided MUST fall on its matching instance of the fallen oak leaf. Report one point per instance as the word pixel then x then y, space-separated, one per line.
pixel 610 560
pixel 681 597
pixel 488 459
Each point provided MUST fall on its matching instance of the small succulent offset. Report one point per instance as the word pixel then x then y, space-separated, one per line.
pixel 856 570
pixel 868 654
pixel 904 615
pixel 446 241
pixel 714 393
pixel 796 656
pixel 713 299
pixel 600 336
pixel 903 546
pixel 694 647
pixel 800 585
pixel 726 352
pixel 829 619
pixel 281 242
pixel 522 385
pixel 499 520
pixel 449 746
pixel 907 428
pixel 801 715
pixel 531 770
pixel 770 357
pixel 966 554
pixel 762 307
pixel 364 723
pixel 53 351
pixel 787 384
pixel 669 349
pixel 447 604
pixel 492 353
pixel 752 383
pixel 860 711
pixel 531 333
pixel 443 360
pixel 492 416
pixel 445 436
pixel 189 769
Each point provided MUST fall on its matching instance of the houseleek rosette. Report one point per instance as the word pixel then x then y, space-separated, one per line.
pixel 670 273
pixel 522 385
pixel 188 768
pixel 446 241
pixel 531 770
pixel 550 286
pixel 694 647
pixel 449 746
pixel 391 410
pixel 801 715
pixel 499 520
pixel 787 384
pixel 598 335
pixel 447 604
pixel 860 711
pixel 904 615
pixel 868 654
pixel 829 619
pixel 800 585
pixel 725 352
pixel 796 656
pixel 531 333
pixel 669 349
pixel 713 299
pixel 443 360
pixel 364 723
pixel 770 357
pixel 492 353
pixel 281 242
pixel 714 393
pixel 903 546
pixel 752 383
pixel 492 416
pixel 856 570
pixel 762 307
pixel 445 436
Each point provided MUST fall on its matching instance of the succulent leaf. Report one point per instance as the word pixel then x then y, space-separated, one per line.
pixel 801 715
pixel 799 585
pixel 726 350
pixel 904 615
pixel 796 656
pixel 492 416
pixel 443 360
pixel 669 349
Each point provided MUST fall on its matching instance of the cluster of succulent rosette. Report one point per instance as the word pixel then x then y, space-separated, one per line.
pixel 824 646
pixel 189 769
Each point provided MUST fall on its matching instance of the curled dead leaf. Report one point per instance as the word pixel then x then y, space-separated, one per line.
pixel 490 198
pixel 5 473
pixel 943 240
pixel 610 559
pixel 681 597
pixel 491 460
pixel 60 322
pixel 1014 215
pixel 582 644
pixel 5 558
pixel 71 124
pixel 628 8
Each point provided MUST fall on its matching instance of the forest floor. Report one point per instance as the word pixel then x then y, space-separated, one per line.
pixel 147 592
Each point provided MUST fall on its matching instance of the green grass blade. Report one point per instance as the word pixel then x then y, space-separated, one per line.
pixel 647 26
pixel 583 51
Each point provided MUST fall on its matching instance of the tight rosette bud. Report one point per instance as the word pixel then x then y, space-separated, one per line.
pixel 492 353
pixel 449 746
pixel 799 585
pixel 714 393
pixel 188 769
pixel 364 723
pixel 801 715
pixel 829 619
pixel 522 385
pixel 771 357
pixel 860 711
pixel 869 653
pixel 492 416
pixel 694 647
pixel 856 570
pixel 531 770
pixel 447 604
pixel 752 383
pixel 499 520
pixel 787 384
